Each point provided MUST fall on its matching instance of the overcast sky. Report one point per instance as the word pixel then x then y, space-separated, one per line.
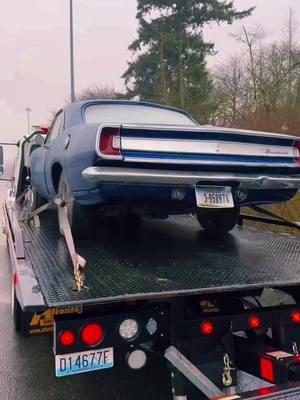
pixel 34 50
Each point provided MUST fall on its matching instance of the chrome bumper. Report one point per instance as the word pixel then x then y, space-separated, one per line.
pixel 134 176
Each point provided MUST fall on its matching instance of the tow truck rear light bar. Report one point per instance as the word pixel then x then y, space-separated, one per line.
pixel 207 328
pixel 254 322
pixel 81 334
pixel 280 367
pixel 67 338
pixel 266 369
pixel 295 317
pixel 92 334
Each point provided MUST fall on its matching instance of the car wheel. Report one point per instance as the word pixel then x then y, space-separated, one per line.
pixel 81 218
pixel 219 221
pixel 32 199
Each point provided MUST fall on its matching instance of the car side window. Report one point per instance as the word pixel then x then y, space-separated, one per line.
pixel 56 127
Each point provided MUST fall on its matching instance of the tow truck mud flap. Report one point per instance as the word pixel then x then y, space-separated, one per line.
pixel 43 322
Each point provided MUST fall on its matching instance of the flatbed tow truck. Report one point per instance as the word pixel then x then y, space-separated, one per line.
pixel 206 307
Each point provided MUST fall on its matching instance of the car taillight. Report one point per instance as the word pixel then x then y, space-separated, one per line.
pixel 109 145
pixel 297 150
pixel 67 338
pixel 92 334
pixel 15 279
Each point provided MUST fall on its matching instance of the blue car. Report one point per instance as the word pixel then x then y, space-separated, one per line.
pixel 121 157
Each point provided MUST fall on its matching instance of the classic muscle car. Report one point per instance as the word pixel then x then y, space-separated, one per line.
pixel 107 157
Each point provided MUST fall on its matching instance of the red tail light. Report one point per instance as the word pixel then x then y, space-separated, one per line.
pixel 295 317
pixel 254 322
pixel 45 128
pixel 109 145
pixel 67 338
pixel 297 150
pixel 265 391
pixel 15 279
pixel 92 334
pixel 266 369
pixel 207 328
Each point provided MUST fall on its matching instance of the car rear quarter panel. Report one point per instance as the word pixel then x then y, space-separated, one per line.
pixel 79 155
pixel 37 171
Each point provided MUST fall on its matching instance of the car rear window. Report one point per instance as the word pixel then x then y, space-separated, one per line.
pixel 134 114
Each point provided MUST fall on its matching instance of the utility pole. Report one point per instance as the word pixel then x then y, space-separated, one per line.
pixel 290 52
pixel 72 53
pixel 28 110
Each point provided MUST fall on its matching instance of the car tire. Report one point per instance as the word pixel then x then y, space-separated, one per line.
pixel 81 218
pixel 219 221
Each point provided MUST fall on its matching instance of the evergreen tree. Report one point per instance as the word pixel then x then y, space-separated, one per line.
pixel 169 65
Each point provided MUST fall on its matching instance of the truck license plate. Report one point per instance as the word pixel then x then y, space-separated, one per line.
pixel 214 197
pixel 85 361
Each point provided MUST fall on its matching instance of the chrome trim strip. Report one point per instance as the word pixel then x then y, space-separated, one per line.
pixel 208 162
pixel 99 131
pixel 206 147
pixel 208 129
pixel 100 175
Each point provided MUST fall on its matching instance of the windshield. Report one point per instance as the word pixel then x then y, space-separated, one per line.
pixel 134 114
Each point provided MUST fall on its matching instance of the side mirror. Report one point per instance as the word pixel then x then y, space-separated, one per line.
pixel 39 139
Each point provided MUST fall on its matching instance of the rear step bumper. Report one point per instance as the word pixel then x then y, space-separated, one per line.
pixel 149 176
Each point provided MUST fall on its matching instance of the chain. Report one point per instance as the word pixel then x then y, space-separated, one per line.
pixel 79 279
pixel 79 274
pixel 226 376
pixel 24 216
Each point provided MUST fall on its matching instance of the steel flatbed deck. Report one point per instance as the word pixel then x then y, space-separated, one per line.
pixel 162 259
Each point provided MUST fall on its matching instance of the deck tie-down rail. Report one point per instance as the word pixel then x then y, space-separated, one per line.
pixel 78 262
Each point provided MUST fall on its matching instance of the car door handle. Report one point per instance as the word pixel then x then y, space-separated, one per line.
pixel 46 146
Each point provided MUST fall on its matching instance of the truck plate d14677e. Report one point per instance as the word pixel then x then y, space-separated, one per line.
pixel 85 361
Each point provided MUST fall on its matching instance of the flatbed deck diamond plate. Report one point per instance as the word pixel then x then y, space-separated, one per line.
pixel 162 258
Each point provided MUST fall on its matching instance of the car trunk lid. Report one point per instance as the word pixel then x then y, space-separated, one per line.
pixel 166 144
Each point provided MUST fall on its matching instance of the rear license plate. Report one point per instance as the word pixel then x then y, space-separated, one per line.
pixel 214 197
pixel 86 361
